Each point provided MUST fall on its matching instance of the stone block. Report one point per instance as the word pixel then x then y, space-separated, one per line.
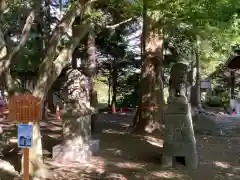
pixel 175 119
pixel 81 153
pixel 179 139
pixel 65 154
pixel 176 108
pixel 94 145
pixel 179 149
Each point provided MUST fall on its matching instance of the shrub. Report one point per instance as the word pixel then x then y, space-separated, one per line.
pixel 220 100
pixel 213 101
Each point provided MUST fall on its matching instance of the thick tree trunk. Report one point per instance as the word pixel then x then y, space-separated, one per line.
pixel 36 166
pixel 93 103
pixel 50 69
pixel 151 107
pixel 92 66
pixel 114 86
pixel 47 28
pixel 198 78
pixel 109 90
pixel 50 103
pixel 93 94
pixel 150 112
pixel 233 83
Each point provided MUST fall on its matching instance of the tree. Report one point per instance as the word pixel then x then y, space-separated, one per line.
pixel 58 48
pixel 51 65
pixel 149 111
pixel 162 21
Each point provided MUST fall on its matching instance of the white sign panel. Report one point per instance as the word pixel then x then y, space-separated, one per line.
pixel 25 135
pixel 205 84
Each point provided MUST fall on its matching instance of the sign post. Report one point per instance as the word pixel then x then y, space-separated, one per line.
pixel 206 84
pixel 25 108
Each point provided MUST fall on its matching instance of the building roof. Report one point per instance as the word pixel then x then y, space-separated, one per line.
pixel 233 62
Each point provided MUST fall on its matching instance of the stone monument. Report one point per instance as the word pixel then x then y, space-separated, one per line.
pixel 77 144
pixel 179 139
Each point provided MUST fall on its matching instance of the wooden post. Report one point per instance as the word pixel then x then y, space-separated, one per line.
pixel 25 108
pixel 26 164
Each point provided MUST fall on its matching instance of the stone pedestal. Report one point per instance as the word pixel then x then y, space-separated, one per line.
pixel 179 139
pixel 77 144
pixel 81 153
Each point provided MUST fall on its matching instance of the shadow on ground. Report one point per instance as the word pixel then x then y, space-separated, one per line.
pixel 126 156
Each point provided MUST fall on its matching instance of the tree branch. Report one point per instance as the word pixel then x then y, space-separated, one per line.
pixel 46 67
pixel 77 9
pixel 119 24
pixel 25 33
pixel 60 62
pixel 62 27
pixel 5 56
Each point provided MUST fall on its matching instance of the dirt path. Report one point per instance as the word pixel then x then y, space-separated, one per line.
pixel 124 156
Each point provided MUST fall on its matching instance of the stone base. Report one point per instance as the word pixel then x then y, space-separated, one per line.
pixel 186 150
pixel 82 153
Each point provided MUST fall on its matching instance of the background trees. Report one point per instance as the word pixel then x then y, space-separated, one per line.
pixel 113 39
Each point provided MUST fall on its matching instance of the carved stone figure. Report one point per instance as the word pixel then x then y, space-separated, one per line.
pixel 76 116
pixel 179 139
pixel 178 82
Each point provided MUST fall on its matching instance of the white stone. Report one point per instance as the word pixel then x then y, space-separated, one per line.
pixel 76 153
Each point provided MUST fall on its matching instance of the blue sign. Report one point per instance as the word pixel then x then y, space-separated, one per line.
pixel 25 135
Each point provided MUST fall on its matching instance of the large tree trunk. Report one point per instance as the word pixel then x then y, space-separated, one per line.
pixel 233 82
pixel 198 78
pixel 109 89
pixel 150 110
pixel 36 167
pixel 92 66
pixel 47 28
pixel 114 85
pixel 51 68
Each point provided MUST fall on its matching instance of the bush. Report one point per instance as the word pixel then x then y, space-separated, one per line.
pixel 220 100
pixel 213 101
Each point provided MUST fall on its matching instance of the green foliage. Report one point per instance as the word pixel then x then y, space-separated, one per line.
pixel 225 99
pixel 213 101
pixel 128 90
pixel 219 100
pixel 215 25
